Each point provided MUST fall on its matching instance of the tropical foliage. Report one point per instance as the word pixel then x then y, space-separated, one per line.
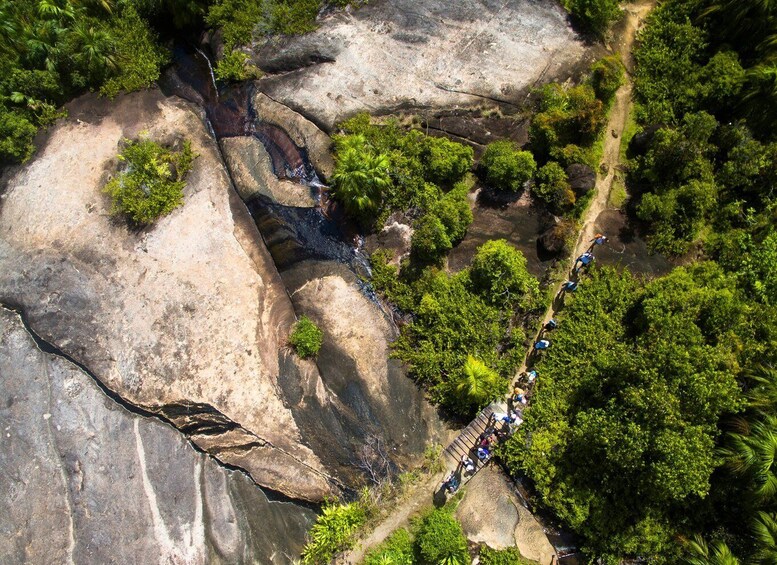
pixel 440 540
pixel 333 531
pixel 151 181
pixel 306 338
pixel 620 438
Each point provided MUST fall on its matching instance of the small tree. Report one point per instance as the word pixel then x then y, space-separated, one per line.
pixel 596 16
pixel 506 167
pixel 441 540
pixel 306 338
pixel 607 77
pixel 499 273
pixel 446 160
pixel 152 181
pixel 430 239
pixel 333 532
pixel 553 188
pixel 478 384
pixel 360 177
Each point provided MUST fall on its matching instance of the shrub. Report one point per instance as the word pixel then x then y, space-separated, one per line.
pixel 509 556
pixel 360 178
pixel 453 211
pixel 446 161
pixel 396 550
pixel 333 532
pixel 430 239
pixel 607 77
pixel 16 135
pixel 595 16
pixel 306 338
pixel 506 167
pixel 152 181
pixel 235 67
pixel 441 540
pixel 499 274
pixel 552 187
pixel 139 57
pixel 477 384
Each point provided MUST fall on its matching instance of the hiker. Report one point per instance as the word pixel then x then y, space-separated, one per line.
pixel 542 344
pixel 569 286
pixel 585 259
pixel 451 482
pixel 551 325
pixel 599 239
pixel 531 376
pixel 515 419
pixel 517 392
pixel 483 454
pixel 467 464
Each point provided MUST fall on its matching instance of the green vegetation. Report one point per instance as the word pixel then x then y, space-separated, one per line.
pixel 151 181
pixel 594 16
pixel 333 531
pixel 552 188
pixel 306 338
pixel 234 66
pixel 705 177
pixel 440 540
pixel 607 76
pixel 51 50
pixel 506 166
pixel 509 556
pixel 396 550
pixel 463 344
pixel 620 438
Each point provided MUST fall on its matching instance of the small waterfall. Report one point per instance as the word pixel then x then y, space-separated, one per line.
pixel 210 68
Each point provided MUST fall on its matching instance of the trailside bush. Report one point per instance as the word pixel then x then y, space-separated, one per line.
pixel 396 550
pixel 509 556
pixel 477 384
pixel 333 532
pixel 552 187
pixel 507 168
pixel 607 76
pixel 441 540
pixel 306 338
pixel 595 16
pixel 152 180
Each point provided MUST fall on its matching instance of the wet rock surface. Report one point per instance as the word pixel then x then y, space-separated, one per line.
pixel 401 54
pixel 84 480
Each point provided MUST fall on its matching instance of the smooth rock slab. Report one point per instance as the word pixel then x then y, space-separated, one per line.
pixel 83 480
pixel 404 54
pixel 186 318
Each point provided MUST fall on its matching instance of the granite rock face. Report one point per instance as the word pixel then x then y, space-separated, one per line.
pixel 402 54
pixel 186 319
pixel 84 480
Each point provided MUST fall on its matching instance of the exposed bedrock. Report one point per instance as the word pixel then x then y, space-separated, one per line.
pixel 187 319
pixel 83 480
pixel 403 54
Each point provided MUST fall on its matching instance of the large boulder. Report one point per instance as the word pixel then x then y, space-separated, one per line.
pixel 582 178
pixel 402 54
pixel 186 319
pixel 85 480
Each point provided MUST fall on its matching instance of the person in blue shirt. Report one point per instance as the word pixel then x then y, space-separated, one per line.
pixel 542 344
pixel 585 259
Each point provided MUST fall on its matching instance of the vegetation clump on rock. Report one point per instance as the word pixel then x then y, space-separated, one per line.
pixel 306 338
pixel 151 182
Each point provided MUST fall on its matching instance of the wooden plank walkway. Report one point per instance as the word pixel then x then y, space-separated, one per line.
pixel 466 442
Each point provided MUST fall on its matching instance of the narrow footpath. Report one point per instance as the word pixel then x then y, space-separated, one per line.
pixel 419 497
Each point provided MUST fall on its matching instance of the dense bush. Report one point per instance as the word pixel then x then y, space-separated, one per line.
pixel 595 16
pixel 458 317
pixel 441 540
pixel 333 532
pixel 151 182
pixel 396 550
pixel 509 556
pixel 446 160
pixel 53 50
pixel 607 76
pixel 234 66
pixel 552 187
pixel 507 167
pixel 620 438
pixel 306 338
pixel 566 116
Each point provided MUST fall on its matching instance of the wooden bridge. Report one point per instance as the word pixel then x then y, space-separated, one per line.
pixel 466 442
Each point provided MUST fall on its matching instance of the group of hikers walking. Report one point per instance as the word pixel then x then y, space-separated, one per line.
pixel 502 425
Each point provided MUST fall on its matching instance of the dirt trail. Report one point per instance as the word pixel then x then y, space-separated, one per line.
pixel 420 495
pixel 635 14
